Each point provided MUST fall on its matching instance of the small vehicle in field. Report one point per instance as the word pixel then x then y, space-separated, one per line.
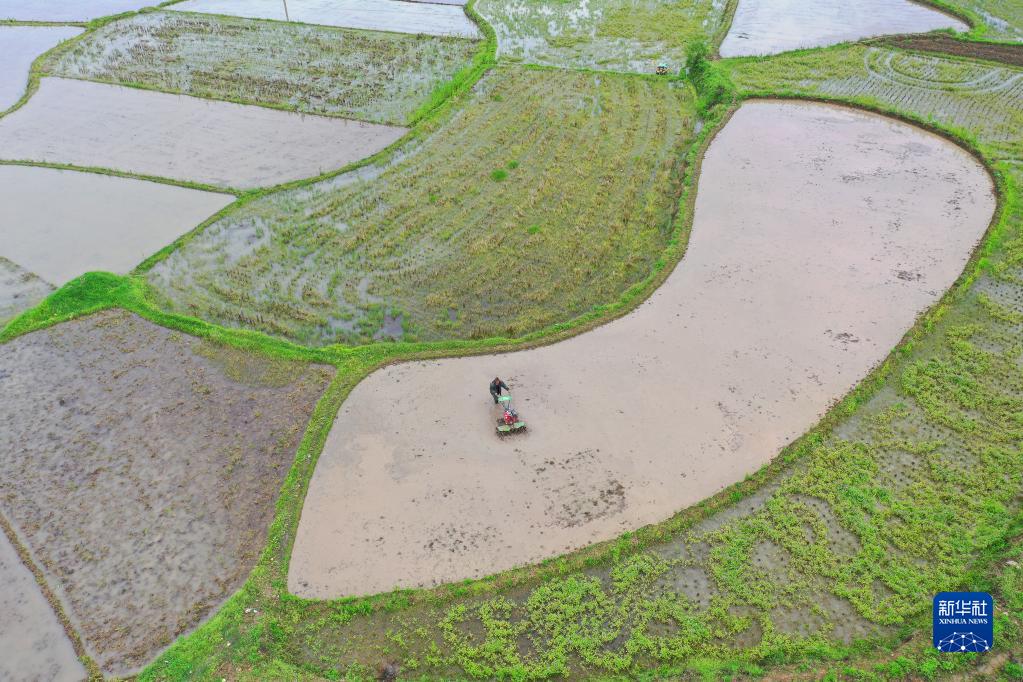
pixel 509 421
pixel 662 69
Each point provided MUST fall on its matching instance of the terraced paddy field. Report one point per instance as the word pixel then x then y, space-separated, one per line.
pixel 459 236
pixel 371 76
pixel 19 289
pixel 983 99
pixel 140 467
pixel 373 15
pixel 814 567
pixel 33 640
pixel 66 10
pixel 999 19
pixel 803 270
pixel 613 35
pixel 20 45
pixel 99 223
pixel 763 27
pixel 221 144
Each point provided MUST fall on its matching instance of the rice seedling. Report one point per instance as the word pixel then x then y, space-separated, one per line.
pixel 998 19
pixel 443 228
pixel 368 75
pixel 613 35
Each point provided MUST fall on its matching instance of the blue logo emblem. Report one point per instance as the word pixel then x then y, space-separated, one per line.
pixel 963 621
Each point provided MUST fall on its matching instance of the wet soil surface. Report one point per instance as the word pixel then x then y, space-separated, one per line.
pixel 19 289
pixel 33 644
pixel 140 467
pixel 820 233
pixel 1007 54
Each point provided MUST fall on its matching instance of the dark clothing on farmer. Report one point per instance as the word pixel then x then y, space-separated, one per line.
pixel 495 388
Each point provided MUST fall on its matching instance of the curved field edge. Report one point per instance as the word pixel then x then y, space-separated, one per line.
pixel 644 537
pixel 196 652
pixel 204 650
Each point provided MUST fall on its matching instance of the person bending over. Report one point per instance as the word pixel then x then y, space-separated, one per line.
pixel 496 386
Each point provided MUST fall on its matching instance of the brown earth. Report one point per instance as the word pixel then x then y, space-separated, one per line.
pixel 141 467
pixel 993 52
pixel 820 233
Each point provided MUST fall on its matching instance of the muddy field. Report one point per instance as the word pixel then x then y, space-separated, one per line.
pixel 20 45
pixel 67 10
pixel 141 467
pixel 763 27
pixel 440 19
pixel 820 233
pixel 19 289
pixel 184 138
pixel 99 223
pixel 34 645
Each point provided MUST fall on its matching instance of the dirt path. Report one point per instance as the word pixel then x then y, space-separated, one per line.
pixel 763 27
pixel 820 233
pixel 183 138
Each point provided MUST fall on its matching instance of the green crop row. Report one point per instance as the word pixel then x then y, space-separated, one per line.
pixel 547 194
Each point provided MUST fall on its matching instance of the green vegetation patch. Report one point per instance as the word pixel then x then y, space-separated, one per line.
pixel 368 75
pixel 998 19
pixel 616 35
pixel 547 194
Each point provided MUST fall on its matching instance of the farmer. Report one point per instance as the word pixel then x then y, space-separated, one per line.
pixel 496 386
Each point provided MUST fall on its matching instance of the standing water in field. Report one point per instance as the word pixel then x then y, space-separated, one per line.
pixel 19 46
pixel 820 233
pixel 763 27
pixel 33 645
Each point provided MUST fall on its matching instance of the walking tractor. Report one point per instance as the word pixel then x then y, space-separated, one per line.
pixel 509 421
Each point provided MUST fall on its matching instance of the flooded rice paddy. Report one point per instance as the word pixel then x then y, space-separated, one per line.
pixel 764 27
pixel 368 75
pixel 67 10
pixel 182 138
pixel 378 15
pixel 99 222
pixel 820 234
pixel 19 46
pixel 19 289
pixel 613 35
pixel 34 645
pixel 141 467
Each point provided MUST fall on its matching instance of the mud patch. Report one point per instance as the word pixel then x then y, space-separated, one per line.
pixel 67 10
pixel 141 467
pixel 19 290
